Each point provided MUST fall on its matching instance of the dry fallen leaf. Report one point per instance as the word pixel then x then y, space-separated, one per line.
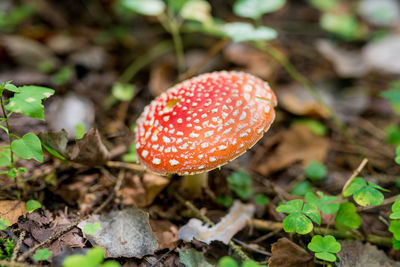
pixel 90 150
pixel 165 232
pixel 125 233
pixel 223 231
pixel 298 143
pixel 285 253
pixel 11 210
pixel 357 254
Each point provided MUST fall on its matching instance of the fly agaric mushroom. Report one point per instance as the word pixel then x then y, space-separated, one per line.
pixel 203 123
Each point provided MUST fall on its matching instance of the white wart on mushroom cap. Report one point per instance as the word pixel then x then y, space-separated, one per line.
pixel 204 122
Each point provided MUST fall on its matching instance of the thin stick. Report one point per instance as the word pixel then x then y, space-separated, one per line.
pixel 76 222
pixel 205 219
pixel 18 246
pixel 15 264
pixel 355 173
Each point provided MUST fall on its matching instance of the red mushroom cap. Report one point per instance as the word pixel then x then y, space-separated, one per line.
pixel 204 122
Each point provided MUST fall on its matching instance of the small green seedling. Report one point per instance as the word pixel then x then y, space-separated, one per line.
pixel 4 224
pixel 324 203
pixel 393 95
pixel 94 258
pixel 347 217
pixel 397 158
pixel 92 228
pixel 240 183
pixel 261 199
pixel 7 252
pixel 393 134
pixel 325 247
pixel 315 126
pixel 42 254
pixel 315 171
pixel 395 228
pixel 395 209
pixel 131 155
pixel 300 216
pixel 32 205
pixel 301 188
pixel 395 243
pixel 364 194
pixel 225 200
pixel 26 100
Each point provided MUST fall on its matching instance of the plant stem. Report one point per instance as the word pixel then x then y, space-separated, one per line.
pixel 194 184
pixel 8 126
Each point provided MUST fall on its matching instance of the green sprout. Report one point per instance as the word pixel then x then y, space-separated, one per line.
pixel 42 254
pixel 92 228
pixel 347 217
pixel 32 205
pixel 324 203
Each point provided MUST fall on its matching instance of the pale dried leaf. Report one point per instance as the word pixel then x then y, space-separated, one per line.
pixel 165 232
pixel 223 231
pixel 125 233
pixel 11 210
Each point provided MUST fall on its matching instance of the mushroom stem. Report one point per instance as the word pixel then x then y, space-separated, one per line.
pixel 193 184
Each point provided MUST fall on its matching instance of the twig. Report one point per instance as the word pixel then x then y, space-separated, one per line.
pixel 76 222
pixel 15 264
pixel 125 165
pixel 275 226
pixel 163 256
pixel 355 173
pixel 243 244
pixel 18 246
pixel 205 219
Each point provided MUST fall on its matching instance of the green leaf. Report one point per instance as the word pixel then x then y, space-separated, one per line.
pixel 197 10
pixel 28 101
pixel 192 258
pixel 297 222
pixel 393 134
pixel 5 157
pixel 325 247
pixel 123 92
pixel 357 184
pixel 42 254
pixel 261 200
pixel 4 224
pixel 242 32
pixel 28 147
pixel 312 212
pixel 227 261
pixel 395 210
pixel 80 130
pixel 225 200
pixel 395 243
pixel 144 7
pixel 290 206
pixel 393 94
pixel 91 229
pixel 347 216
pixel 63 75
pixel 11 87
pixel 32 205
pixel 131 155
pixel 240 183
pixel 251 263
pixel 323 203
pixel 394 228
pixel 324 5
pixel 110 264
pixel 55 143
pixel 254 9
pixel 315 171
pixel 344 25
pixel 301 188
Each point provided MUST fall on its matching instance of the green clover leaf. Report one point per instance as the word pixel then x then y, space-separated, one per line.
pixel 347 217
pixel 91 229
pixel 324 247
pixel 254 9
pixel 316 171
pixel 28 147
pixel 324 203
pixel 32 205
pixel 42 254
pixel 364 194
pixel 4 224
pixel 240 183
pixel 395 210
pixel 395 229
pixel 300 216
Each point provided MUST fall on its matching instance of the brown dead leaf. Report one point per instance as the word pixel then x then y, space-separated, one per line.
pixel 165 232
pixel 298 143
pixel 90 150
pixel 142 192
pixel 357 254
pixel 285 253
pixel 11 210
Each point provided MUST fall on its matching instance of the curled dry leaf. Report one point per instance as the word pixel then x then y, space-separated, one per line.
pixel 11 210
pixel 165 232
pixel 125 233
pixel 90 150
pixel 285 253
pixel 298 143
pixel 223 231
